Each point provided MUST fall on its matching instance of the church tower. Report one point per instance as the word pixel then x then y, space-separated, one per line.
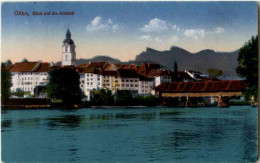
pixel 68 51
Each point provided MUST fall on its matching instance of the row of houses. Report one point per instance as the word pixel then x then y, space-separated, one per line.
pixel 97 75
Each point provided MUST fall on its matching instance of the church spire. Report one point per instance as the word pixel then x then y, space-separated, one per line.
pixel 68 37
pixel 68 34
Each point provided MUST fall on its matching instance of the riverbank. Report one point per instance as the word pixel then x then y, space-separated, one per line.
pixel 49 107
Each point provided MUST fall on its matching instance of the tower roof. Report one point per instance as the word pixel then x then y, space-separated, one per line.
pixel 68 39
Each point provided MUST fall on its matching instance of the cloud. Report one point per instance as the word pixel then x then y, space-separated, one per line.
pixel 175 27
pixel 174 39
pixel 219 30
pixel 150 39
pixel 157 39
pixel 145 37
pixel 195 33
pixel 97 24
pixel 155 25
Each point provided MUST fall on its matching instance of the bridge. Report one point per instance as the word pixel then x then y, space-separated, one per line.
pixel 224 90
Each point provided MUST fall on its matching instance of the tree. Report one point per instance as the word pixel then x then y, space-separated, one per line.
pixel 175 72
pixel 19 93
pixel 151 100
pixel 124 97
pixel 248 65
pixel 214 72
pixel 24 60
pixel 8 63
pixel 102 97
pixel 6 84
pixel 64 85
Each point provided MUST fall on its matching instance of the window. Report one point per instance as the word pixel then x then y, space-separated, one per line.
pixel 91 79
pixel 127 80
pixel 131 85
pixel 98 78
pixel 136 80
pixel 87 75
pixel 116 80
pixel 131 80
pixel 127 85
pixel 91 83
pixel 87 83
pixel 91 75
pixel 104 84
pixel 123 80
pixel 136 85
pixel 123 85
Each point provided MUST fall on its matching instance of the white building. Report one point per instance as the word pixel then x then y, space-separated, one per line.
pixel 163 76
pixel 146 85
pixel 128 79
pixel 26 76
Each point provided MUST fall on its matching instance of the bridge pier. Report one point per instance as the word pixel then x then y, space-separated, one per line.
pixel 188 102
pixel 223 101
pixel 191 101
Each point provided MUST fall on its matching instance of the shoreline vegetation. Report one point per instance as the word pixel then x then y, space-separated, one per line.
pixel 47 104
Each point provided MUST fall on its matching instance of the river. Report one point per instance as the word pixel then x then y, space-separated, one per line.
pixel 130 135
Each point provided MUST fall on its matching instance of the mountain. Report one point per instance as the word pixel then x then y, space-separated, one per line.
pixel 94 59
pixel 226 61
pixel 201 61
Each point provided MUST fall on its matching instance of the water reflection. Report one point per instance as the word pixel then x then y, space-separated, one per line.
pixel 29 122
pixel 6 123
pixel 134 135
pixel 70 121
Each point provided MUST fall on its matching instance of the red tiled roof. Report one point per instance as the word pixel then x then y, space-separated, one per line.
pixel 129 66
pixel 44 67
pixel 94 65
pixel 127 73
pixel 111 67
pixel 83 65
pixel 203 86
pixel 147 69
pixel 23 67
pixel 89 70
pixel 109 73
pixel 163 73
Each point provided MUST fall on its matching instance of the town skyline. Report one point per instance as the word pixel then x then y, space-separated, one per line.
pixel 220 26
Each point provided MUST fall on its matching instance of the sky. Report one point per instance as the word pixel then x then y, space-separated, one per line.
pixel 123 30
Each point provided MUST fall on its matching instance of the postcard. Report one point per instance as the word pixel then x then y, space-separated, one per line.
pixel 129 81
